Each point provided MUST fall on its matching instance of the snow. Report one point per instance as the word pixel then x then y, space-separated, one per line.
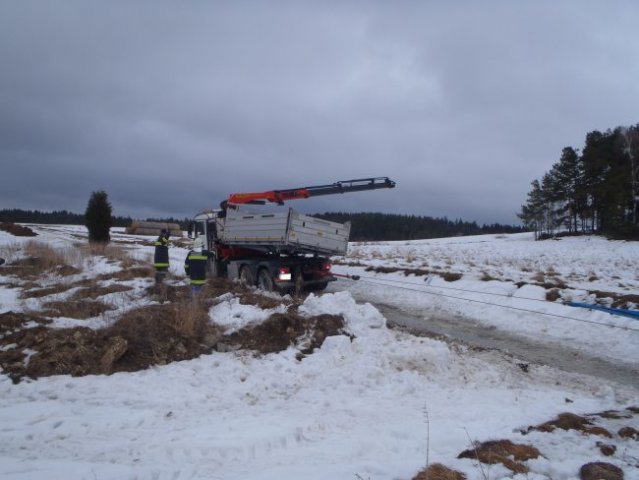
pixel 233 316
pixel 374 406
pixel 501 304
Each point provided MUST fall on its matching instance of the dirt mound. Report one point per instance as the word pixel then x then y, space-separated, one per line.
pixel 282 330
pixel 130 273
pixel 437 471
pixel 40 292
pixel 17 230
pixel 629 432
pixel 146 336
pixel 79 309
pixel 570 421
pixel 600 471
pixel 505 452
pixel 33 267
pixel 152 335
pixel 94 291
pixel 10 321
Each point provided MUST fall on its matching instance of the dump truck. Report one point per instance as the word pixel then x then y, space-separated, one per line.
pixel 283 251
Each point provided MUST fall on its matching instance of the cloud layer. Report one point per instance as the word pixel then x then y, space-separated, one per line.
pixel 170 107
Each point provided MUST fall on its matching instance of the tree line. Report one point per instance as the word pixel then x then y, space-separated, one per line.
pixel 364 226
pixel 386 227
pixel 595 190
pixel 64 217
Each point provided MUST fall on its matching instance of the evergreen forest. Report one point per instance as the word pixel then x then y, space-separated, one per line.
pixel 386 227
pixel 364 226
pixel 592 191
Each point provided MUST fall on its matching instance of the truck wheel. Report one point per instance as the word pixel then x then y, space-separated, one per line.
pixel 264 280
pixel 246 276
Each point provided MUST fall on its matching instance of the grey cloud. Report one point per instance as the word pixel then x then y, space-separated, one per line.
pixel 170 107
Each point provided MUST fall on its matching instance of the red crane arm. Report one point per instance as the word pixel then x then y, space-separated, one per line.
pixel 273 196
pixel 280 196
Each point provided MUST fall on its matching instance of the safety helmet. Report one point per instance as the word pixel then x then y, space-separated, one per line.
pixel 198 243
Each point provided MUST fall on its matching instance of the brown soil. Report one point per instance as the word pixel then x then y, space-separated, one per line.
pixel 553 294
pixel 583 424
pixel 79 309
pixel 34 267
pixel 629 432
pixel 17 230
pixel 613 414
pixel 128 273
pixel 44 292
pixel 94 291
pixel 282 330
pixel 418 272
pixel 565 421
pixel 10 321
pixel 437 471
pixel 600 471
pixel 176 329
pixel 606 449
pixel 505 452
pixel 618 300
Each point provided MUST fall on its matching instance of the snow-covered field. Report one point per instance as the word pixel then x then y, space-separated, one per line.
pixel 504 281
pixel 379 406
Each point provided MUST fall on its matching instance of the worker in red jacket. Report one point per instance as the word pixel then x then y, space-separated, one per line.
pixel 195 265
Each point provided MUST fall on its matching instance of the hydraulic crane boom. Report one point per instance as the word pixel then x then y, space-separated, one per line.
pixel 280 196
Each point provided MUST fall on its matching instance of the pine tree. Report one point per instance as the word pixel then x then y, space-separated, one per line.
pixel 568 176
pixel 98 218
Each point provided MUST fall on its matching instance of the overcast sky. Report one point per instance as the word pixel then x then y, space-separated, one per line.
pixel 171 106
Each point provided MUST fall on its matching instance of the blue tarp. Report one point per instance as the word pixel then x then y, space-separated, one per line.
pixel 613 311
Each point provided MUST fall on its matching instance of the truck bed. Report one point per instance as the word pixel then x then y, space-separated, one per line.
pixel 288 232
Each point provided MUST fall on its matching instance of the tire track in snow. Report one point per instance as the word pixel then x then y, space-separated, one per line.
pixel 547 353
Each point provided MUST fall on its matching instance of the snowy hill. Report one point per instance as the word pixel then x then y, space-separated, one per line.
pixel 375 403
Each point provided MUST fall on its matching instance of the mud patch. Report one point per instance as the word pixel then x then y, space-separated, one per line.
pixel 251 298
pixel 570 421
pixel 418 272
pixel 629 433
pixel 163 293
pixel 95 291
pixel 282 330
pixel 600 471
pixel 10 321
pixel 509 454
pixel 34 267
pixel 78 309
pixel 618 300
pixel 127 274
pixel 153 335
pixel 44 292
pixel 437 471
pixel 147 336
pixel 160 334
pixel 17 230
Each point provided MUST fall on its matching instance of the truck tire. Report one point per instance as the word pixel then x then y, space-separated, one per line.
pixel 246 276
pixel 265 281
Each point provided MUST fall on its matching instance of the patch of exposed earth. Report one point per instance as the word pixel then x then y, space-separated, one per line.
pixel 175 328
